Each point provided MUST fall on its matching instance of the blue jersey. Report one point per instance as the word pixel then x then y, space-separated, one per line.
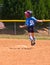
pixel 31 21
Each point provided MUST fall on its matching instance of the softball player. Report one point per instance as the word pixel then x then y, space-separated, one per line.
pixel 30 23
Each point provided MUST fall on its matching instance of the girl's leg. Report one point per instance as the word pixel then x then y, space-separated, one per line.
pixel 31 34
pixel 32 38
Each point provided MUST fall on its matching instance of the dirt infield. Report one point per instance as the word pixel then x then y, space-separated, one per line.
pixel 20 52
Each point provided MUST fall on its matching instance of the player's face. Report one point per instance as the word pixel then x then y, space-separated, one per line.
pixel 27 15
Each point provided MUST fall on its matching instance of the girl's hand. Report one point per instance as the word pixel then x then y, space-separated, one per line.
pixel 21 26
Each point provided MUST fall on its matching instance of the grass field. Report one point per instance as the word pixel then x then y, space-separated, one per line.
pixel 24 37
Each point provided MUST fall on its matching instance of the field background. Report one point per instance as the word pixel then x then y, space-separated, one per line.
pixel 20 52
pixel 17 49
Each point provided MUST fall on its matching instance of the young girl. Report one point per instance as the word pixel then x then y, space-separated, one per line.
pixel 30 23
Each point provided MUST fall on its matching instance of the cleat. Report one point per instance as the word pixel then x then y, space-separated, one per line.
pixel 32 42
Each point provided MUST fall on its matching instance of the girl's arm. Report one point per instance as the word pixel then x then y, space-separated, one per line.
pixel 23 26
pixel 39 20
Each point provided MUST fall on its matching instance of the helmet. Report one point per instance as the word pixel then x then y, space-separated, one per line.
pixel 28 13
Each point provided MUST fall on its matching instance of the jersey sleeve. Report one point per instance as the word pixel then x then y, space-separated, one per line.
pixel 34 19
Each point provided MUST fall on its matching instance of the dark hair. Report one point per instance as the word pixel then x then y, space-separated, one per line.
pixel 29 13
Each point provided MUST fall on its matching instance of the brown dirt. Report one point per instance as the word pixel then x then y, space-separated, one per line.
pixel 20 52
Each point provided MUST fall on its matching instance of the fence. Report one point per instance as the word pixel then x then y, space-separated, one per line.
pixel 21 21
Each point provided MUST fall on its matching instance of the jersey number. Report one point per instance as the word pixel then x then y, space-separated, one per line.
pixel 31 22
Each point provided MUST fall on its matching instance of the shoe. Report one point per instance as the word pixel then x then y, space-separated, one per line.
pixel 32 42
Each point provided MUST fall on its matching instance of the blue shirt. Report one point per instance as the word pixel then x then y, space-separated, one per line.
pixel 31 21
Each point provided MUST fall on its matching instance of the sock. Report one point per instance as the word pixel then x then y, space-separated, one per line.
pixel 34 38
pixel 31 38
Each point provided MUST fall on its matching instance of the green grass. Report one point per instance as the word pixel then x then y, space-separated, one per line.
pixel 23 37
